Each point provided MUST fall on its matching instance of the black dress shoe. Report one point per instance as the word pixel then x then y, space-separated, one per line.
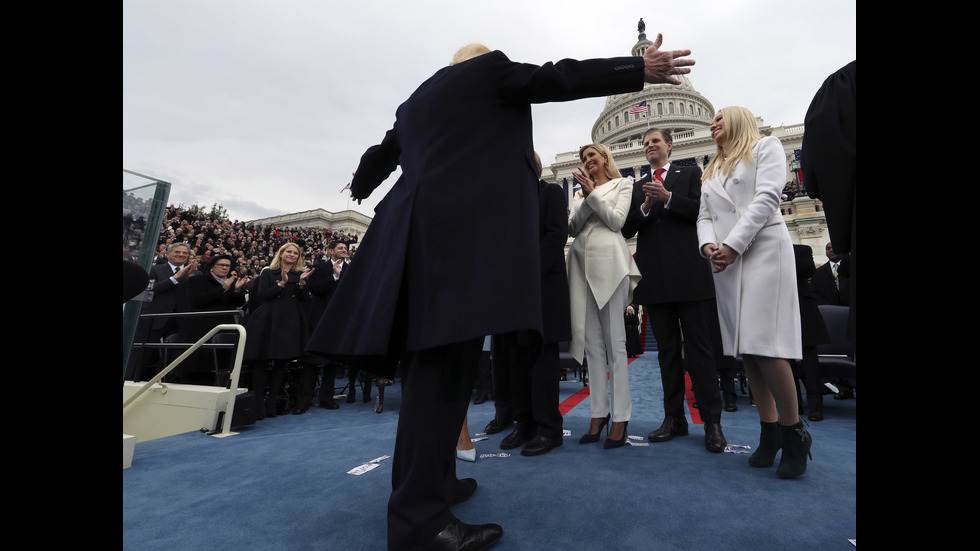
pixel 730 406
pixel 671 427
pixel 516 439
pixel 465 490
pixel 540 445
pixel 330 405
pixel 495 426
pixel 480 399
pixel 302 410
pixel 464 537
pixel 815 416
pixel 714 439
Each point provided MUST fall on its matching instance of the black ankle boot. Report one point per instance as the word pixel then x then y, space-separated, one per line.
pixel 796 448
pixel 769 444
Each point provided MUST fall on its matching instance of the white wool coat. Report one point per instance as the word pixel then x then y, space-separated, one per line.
pixel 598 259
pixel 758 301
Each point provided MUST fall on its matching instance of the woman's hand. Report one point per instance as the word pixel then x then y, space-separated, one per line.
pixel 240 282
pixel 585 181
pixel 228 282
pixel 722 256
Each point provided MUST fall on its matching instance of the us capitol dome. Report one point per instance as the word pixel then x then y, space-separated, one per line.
pixel 687 114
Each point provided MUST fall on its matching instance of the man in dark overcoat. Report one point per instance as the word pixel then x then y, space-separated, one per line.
pixel 463 141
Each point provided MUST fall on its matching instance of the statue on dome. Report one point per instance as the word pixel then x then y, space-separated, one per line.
pixel 641 27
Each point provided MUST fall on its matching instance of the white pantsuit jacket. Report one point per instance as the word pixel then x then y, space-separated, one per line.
pixel 598 259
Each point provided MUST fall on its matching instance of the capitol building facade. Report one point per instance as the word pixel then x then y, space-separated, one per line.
pixel 687 114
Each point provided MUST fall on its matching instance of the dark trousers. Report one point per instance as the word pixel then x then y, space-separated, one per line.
pixel 436 387
pixel 528 389
pixel 695 319
pixel 262 375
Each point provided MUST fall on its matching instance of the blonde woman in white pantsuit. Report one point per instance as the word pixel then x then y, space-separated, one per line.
pixel 601 279
pixel 742 233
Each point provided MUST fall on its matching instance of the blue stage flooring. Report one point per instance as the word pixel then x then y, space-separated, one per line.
pixel 283 484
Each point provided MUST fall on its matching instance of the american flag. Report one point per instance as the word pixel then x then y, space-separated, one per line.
pixel 640 107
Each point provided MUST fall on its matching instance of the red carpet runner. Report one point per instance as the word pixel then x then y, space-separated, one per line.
pixel 576 399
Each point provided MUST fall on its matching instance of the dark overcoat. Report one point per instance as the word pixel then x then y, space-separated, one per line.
pixel 458 229
pixel 553 234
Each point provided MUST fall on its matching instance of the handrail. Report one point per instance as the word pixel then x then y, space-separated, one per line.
pixel 235 372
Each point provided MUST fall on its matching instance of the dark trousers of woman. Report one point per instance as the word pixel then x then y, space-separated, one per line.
pixel 436 387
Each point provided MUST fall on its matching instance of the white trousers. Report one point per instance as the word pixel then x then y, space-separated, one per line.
pixel 605 352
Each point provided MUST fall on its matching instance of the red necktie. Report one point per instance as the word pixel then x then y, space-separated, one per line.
pixel 657 174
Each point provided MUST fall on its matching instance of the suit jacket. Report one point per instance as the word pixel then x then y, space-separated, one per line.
pixel 553 234
pixel 167 297
pixel 465 191
pixel 667 244
pixel 824 288
pixel 322 286
pixel 599 247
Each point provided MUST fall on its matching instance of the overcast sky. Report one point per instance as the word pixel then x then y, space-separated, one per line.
pixel 265 106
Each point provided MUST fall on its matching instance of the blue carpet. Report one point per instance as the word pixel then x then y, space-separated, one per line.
pixel 283 484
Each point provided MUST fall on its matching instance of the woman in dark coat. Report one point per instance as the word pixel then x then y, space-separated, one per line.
pixel 214 290
pixel 277 330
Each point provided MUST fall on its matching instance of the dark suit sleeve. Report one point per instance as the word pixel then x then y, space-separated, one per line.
pixel 568 79
pixel 321 281
pixel 161 273
pixel 635 219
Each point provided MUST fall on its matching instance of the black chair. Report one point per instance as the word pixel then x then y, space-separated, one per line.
pixel 837 357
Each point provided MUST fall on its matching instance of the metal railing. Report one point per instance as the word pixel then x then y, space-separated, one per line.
pixel 203 342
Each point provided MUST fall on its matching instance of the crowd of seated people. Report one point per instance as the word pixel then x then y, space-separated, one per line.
pixel 252 247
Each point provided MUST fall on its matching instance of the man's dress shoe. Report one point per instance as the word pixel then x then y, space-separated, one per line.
pixel 540 445
pixel 330 405
pixel 480 399
pixel 730 406
pixel 464 490
pixel 515 439
pixel 714 439
pixel 464 537
pixel 495 426
pixel 671 427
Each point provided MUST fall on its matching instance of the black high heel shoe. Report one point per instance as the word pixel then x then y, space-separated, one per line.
pixel 610 443
pixel 592 438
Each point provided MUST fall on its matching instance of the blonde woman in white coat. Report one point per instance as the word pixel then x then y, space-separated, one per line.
pixel 601 279
pixel 742 233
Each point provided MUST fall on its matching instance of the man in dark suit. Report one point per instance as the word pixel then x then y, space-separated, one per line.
pixel 167 298
pixel 831 281
pixel 323 283
pixel 465 189
pixel 525 390
pixel 676 288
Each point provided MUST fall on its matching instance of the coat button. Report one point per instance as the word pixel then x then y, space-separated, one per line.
pixel 734 180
